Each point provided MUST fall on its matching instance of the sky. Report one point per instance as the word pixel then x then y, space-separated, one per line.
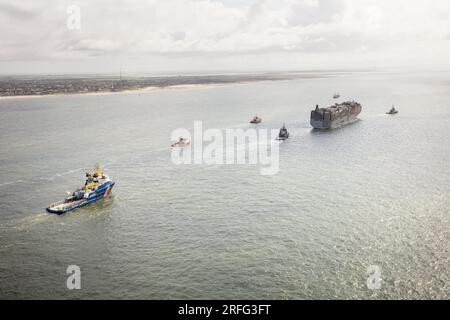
pixel 185 36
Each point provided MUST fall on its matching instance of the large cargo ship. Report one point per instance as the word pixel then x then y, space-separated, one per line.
pixel 335 116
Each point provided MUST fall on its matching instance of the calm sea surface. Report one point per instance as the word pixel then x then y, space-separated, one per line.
pixel 375 193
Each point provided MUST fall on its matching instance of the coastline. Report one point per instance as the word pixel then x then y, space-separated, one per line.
pixel 165 87
pixel 138 90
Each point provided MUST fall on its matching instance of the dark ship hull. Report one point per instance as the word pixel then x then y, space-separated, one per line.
pixel 335 116
pixel 63 207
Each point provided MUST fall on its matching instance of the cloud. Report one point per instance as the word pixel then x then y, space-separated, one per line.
pixel 138 29
pixel 17 12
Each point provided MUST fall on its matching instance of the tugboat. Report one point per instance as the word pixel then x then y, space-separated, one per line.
pixel 336 96
pixel 96 187
pixel 256 119
pixel 284 134
pixel 392 111
pixel 182 142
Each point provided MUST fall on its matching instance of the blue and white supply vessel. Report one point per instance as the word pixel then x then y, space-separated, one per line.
pixel 97 186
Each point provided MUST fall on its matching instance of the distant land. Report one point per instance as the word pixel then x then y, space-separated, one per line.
pixel 13 86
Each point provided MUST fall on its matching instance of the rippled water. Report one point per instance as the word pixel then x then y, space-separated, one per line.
pixel 372 193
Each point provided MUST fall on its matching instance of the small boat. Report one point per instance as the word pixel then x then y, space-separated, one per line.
pixel 182 142
pixel 284 134
pixel 96 187
pixel 256 119
pixel 336 96
pixel 392 111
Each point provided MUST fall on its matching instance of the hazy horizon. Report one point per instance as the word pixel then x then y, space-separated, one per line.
pixel 137 74
pixel 190 73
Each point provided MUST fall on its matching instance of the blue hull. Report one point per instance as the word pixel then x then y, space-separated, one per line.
pixel 95 196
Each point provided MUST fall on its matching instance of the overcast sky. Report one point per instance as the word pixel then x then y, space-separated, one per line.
pixel 146 36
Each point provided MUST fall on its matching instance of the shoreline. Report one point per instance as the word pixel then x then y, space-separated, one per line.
pixel 158 88
pixel 100 93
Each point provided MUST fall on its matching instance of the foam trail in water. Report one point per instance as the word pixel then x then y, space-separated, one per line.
pixel 10 182
pixel 28 222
